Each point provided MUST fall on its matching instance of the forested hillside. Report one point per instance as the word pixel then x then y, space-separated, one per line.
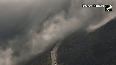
pixel 96 48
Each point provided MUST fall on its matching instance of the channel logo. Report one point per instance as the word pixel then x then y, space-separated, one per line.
pixel 107 7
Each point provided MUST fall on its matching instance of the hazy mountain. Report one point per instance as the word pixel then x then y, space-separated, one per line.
pixel 95 48
pixel 44 59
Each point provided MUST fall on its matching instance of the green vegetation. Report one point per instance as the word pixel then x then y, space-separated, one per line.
pixel 96 48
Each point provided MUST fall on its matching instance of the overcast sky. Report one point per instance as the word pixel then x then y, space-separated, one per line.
pixel 29 27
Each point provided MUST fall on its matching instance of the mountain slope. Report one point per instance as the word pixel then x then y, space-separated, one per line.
pixel 96 48
pixel 44 59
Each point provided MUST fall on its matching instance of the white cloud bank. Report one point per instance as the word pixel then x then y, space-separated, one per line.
pixel 34 25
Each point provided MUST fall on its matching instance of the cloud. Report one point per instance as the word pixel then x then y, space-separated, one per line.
pixel 29 27
pixel 6 56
